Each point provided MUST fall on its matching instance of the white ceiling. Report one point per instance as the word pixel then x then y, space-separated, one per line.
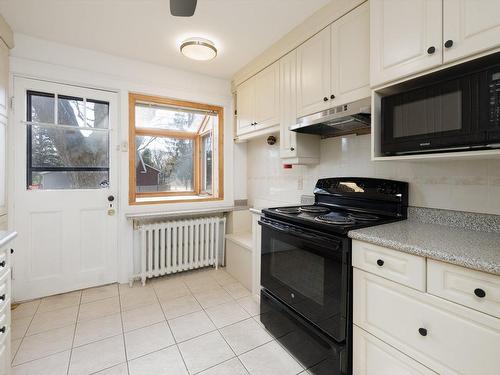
pixel 145 30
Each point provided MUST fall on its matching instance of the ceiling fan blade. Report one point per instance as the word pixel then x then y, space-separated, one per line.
pixel 182 8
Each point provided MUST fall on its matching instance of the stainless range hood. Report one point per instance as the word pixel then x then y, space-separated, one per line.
pixel 344 119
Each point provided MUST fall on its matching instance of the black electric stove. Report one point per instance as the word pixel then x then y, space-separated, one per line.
pixel 306 266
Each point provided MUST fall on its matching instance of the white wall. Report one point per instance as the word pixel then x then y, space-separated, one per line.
pixel 472 185
pixel 51 61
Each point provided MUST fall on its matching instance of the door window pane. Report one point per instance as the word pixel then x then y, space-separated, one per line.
pixel 69 154
pixel 53 147
pixel 70 111
pixel 41 107
pixel 51 180
pixel 164 164
pixel 97 114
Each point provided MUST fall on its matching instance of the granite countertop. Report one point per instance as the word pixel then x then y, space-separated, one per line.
pixel 6 236
pixel 479 250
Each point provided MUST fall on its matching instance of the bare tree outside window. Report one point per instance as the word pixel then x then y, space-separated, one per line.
pixel 74 155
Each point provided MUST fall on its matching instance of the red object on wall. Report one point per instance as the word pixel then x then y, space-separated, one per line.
pixel 287 166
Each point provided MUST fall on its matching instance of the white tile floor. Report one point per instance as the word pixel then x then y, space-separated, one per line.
pixel 201 322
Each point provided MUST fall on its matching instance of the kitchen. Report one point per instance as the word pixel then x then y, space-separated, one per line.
pixel 330 207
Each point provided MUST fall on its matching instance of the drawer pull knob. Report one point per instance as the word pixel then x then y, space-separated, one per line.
pixel 2 330
pixel 2 297
pixel 431 50
pixel 448 43
pixel 380 262
pixel 12 251
pixel 422 331
pixel 2 263
pixel 479 293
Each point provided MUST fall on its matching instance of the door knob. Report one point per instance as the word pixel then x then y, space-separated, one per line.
pixel 111 198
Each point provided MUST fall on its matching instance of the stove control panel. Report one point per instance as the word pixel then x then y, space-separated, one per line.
pixel 359 187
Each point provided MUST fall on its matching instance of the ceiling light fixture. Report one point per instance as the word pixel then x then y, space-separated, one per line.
pixel 198 49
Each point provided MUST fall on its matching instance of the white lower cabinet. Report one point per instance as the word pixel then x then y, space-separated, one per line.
pixel 5 301
pixel 445 337
pixel 374 357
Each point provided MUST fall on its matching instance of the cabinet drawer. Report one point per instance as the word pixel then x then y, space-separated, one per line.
pixel 372 356
pixel 394 265
pixel 478 290
pixel 446 337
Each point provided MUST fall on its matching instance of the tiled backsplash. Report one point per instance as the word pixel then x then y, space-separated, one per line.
pixel 465 185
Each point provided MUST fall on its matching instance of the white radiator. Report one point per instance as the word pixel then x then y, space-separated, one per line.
pixel 180 245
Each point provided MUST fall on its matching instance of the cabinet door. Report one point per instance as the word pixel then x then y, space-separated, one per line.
pixel 446 337
pixel 267 96
pixel 351 56
pixel 288 105
pixel 245 96
pixel 402 31
pixel 313 74
pixel 472 25
pixel 372 356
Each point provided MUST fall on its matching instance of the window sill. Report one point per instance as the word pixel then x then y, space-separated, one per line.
pixel 174 199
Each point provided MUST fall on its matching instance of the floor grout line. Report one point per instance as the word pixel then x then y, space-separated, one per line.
pixel 74 334
pixel 123 330
pixel 170 328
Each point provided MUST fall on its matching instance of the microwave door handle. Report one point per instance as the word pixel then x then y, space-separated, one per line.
pixel 298 233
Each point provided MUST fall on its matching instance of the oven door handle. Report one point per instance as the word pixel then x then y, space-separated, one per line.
pixel 299 233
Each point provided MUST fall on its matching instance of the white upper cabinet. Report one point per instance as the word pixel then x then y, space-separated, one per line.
pixel 295 148
pixel 258 101
pixel 288 104
pixel 469 27
pixel 406 38
pixel 313 74
pixel 246 103
pixel 267 96
pixel 350 37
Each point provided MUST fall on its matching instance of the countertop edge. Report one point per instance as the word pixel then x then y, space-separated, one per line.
pixel 474 264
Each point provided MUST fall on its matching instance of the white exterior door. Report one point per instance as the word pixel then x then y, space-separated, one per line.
pixel 472 25
pixel 64 172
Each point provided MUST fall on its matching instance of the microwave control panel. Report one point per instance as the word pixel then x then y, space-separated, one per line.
pixel 494 87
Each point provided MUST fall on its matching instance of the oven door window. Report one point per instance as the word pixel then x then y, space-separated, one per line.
pixel 310 277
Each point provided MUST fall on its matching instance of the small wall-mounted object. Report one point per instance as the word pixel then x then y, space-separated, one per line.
pixel 287 166
pixel 271 140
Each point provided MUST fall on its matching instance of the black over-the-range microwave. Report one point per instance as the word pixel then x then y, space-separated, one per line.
pixel 455 109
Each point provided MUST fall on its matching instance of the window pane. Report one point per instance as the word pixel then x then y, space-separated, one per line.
pixel 207 163
pixel 41 107
pixel 69 180
pixel 164 164
pixel 52 147
pixel 70 111
pixel 97 114
pixel 164 117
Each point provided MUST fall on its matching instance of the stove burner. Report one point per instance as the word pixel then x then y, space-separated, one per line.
pixel 314 209
pixel 289 210
pixel 335 219
pixel 363 217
